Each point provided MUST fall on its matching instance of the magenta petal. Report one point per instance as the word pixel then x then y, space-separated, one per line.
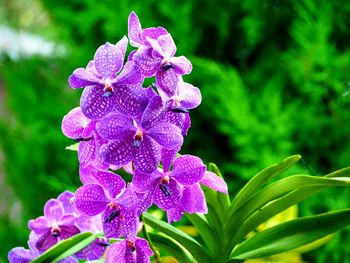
pixel 143 251
pixel 67 220
pixel 153 32
pixel 168 157
pixel 167 44
pixel 214 182
pixel 86 152
pixel 119 152
pixel 116 253
pixel 46 241
pixel 93 251
pixel 174 214
pixel 181 120
pixel 148 64
pixel 167 135
pixel 86 174
pixel 144 201
pixel 128 199
pixel 68 231
pixel 73 123
pixel 171 200
pixel 108 60
pixel 94 105
pixel 66 199
pixel 153 113
pixel 21 255
pixel 131 100
pixel 81 78
pixel 157 51
pixel 111 228
pixel 123 45
pixel 188 169
pixel 53 210
pixel 193 200
pixel 144 182
pixel 134 30
pixel 90 199
pixel 114 126
pixel 167 81
pixel 182 65
pixel 130 75
pixel 147 156
pixel 190 96
pixel 129 224
pixel 112 182
pixel 39 225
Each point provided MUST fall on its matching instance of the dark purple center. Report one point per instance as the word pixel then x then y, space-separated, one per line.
pixel 113 215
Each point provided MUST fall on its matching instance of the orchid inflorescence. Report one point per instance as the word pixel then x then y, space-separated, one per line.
pixel 121 124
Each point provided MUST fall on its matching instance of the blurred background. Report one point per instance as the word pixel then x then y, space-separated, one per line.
pixel 274 77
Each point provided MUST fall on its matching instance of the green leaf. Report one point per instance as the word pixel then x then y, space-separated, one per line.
pixel 195 248
pixel 210 237
pixel 258 180
pixel 292 234
pixel 173 248
pixel 73 147
pixel 270 193
pixel 222 199
pixel 66 248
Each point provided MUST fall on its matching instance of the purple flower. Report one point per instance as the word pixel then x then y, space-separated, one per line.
pixel 167 189
pixel 102 82
pixel 128 251
pixel 54 226
pixel 21 255
pixel 118 208
pixel 140 142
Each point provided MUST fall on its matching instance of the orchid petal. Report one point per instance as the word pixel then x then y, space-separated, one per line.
pixel 123 45
pixel 193 200
pixel 153 113
pixel 188 169
pixel 112 182
pixel 82 78
pixel 130 75
pixel 168 201
pixel 182 65
pixel 214 182
pixel 90 199
pixel 167 135
pixel 147 156
pixel 134 30
pixel 108 60
pixel 53 210
pixel 114 126
pixel 73 123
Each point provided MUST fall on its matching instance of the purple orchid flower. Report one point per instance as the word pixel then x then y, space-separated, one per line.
pixel 167 188
pixel 140 142
pixel 129 251
pixel 54 226
pixel 21 255
pixel 118 207
pixel 101 82
pixel 83 130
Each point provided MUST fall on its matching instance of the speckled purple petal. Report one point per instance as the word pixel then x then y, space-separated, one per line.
pixel 128 199
pixel 46 241
pixel 190 96
pixel 111 228
pixel 131 55
pixel 167 135
pixel 167 202
pixel 73 123
pixel 134 30
pixel 188 169
pixel 193 200
pixel 144 182
pixel 167 81
pixel 182 65
pixel 153 113
pixel 108 60
pixel 153 32
pixel 67 202
pixel 168 157
pixel 123 45
pixel 130 75
pixel 21 255
pixel 89 129
pixel 144 59
pixel 67 220
pixel 53 210
pixel 118 152
pixel 86 174
pixel 82 78
pixel 144 202
pixel 114 126
pixel 93 251
pixel 39 225
pixel 94 105
pixel 86 152
pixel 174 214
pixel 129 223
pixel 90 199
pixel 143 251
pixel 68 231
pixel 157 50
pixel 116 253
pixel 112 182
pixel 147 156
pixel 167 44
pixel 181 120
pixel 214 182
pixel 131 100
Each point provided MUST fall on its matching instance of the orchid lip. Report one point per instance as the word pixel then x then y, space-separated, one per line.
pixel 165 189
pixel 112 216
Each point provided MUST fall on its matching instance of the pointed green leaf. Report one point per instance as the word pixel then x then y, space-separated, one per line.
pixel 173 248
pixel 193 246
pixel 73 147
pixel 292 234
pixel 258 180
pixel 66 248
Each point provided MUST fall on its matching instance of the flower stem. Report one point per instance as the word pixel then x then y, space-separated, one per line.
pixel 146 236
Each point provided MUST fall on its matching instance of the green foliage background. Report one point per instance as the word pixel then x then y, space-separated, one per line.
pixel 274 79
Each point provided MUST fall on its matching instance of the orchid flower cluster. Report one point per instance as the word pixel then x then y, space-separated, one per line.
pixel 121 124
